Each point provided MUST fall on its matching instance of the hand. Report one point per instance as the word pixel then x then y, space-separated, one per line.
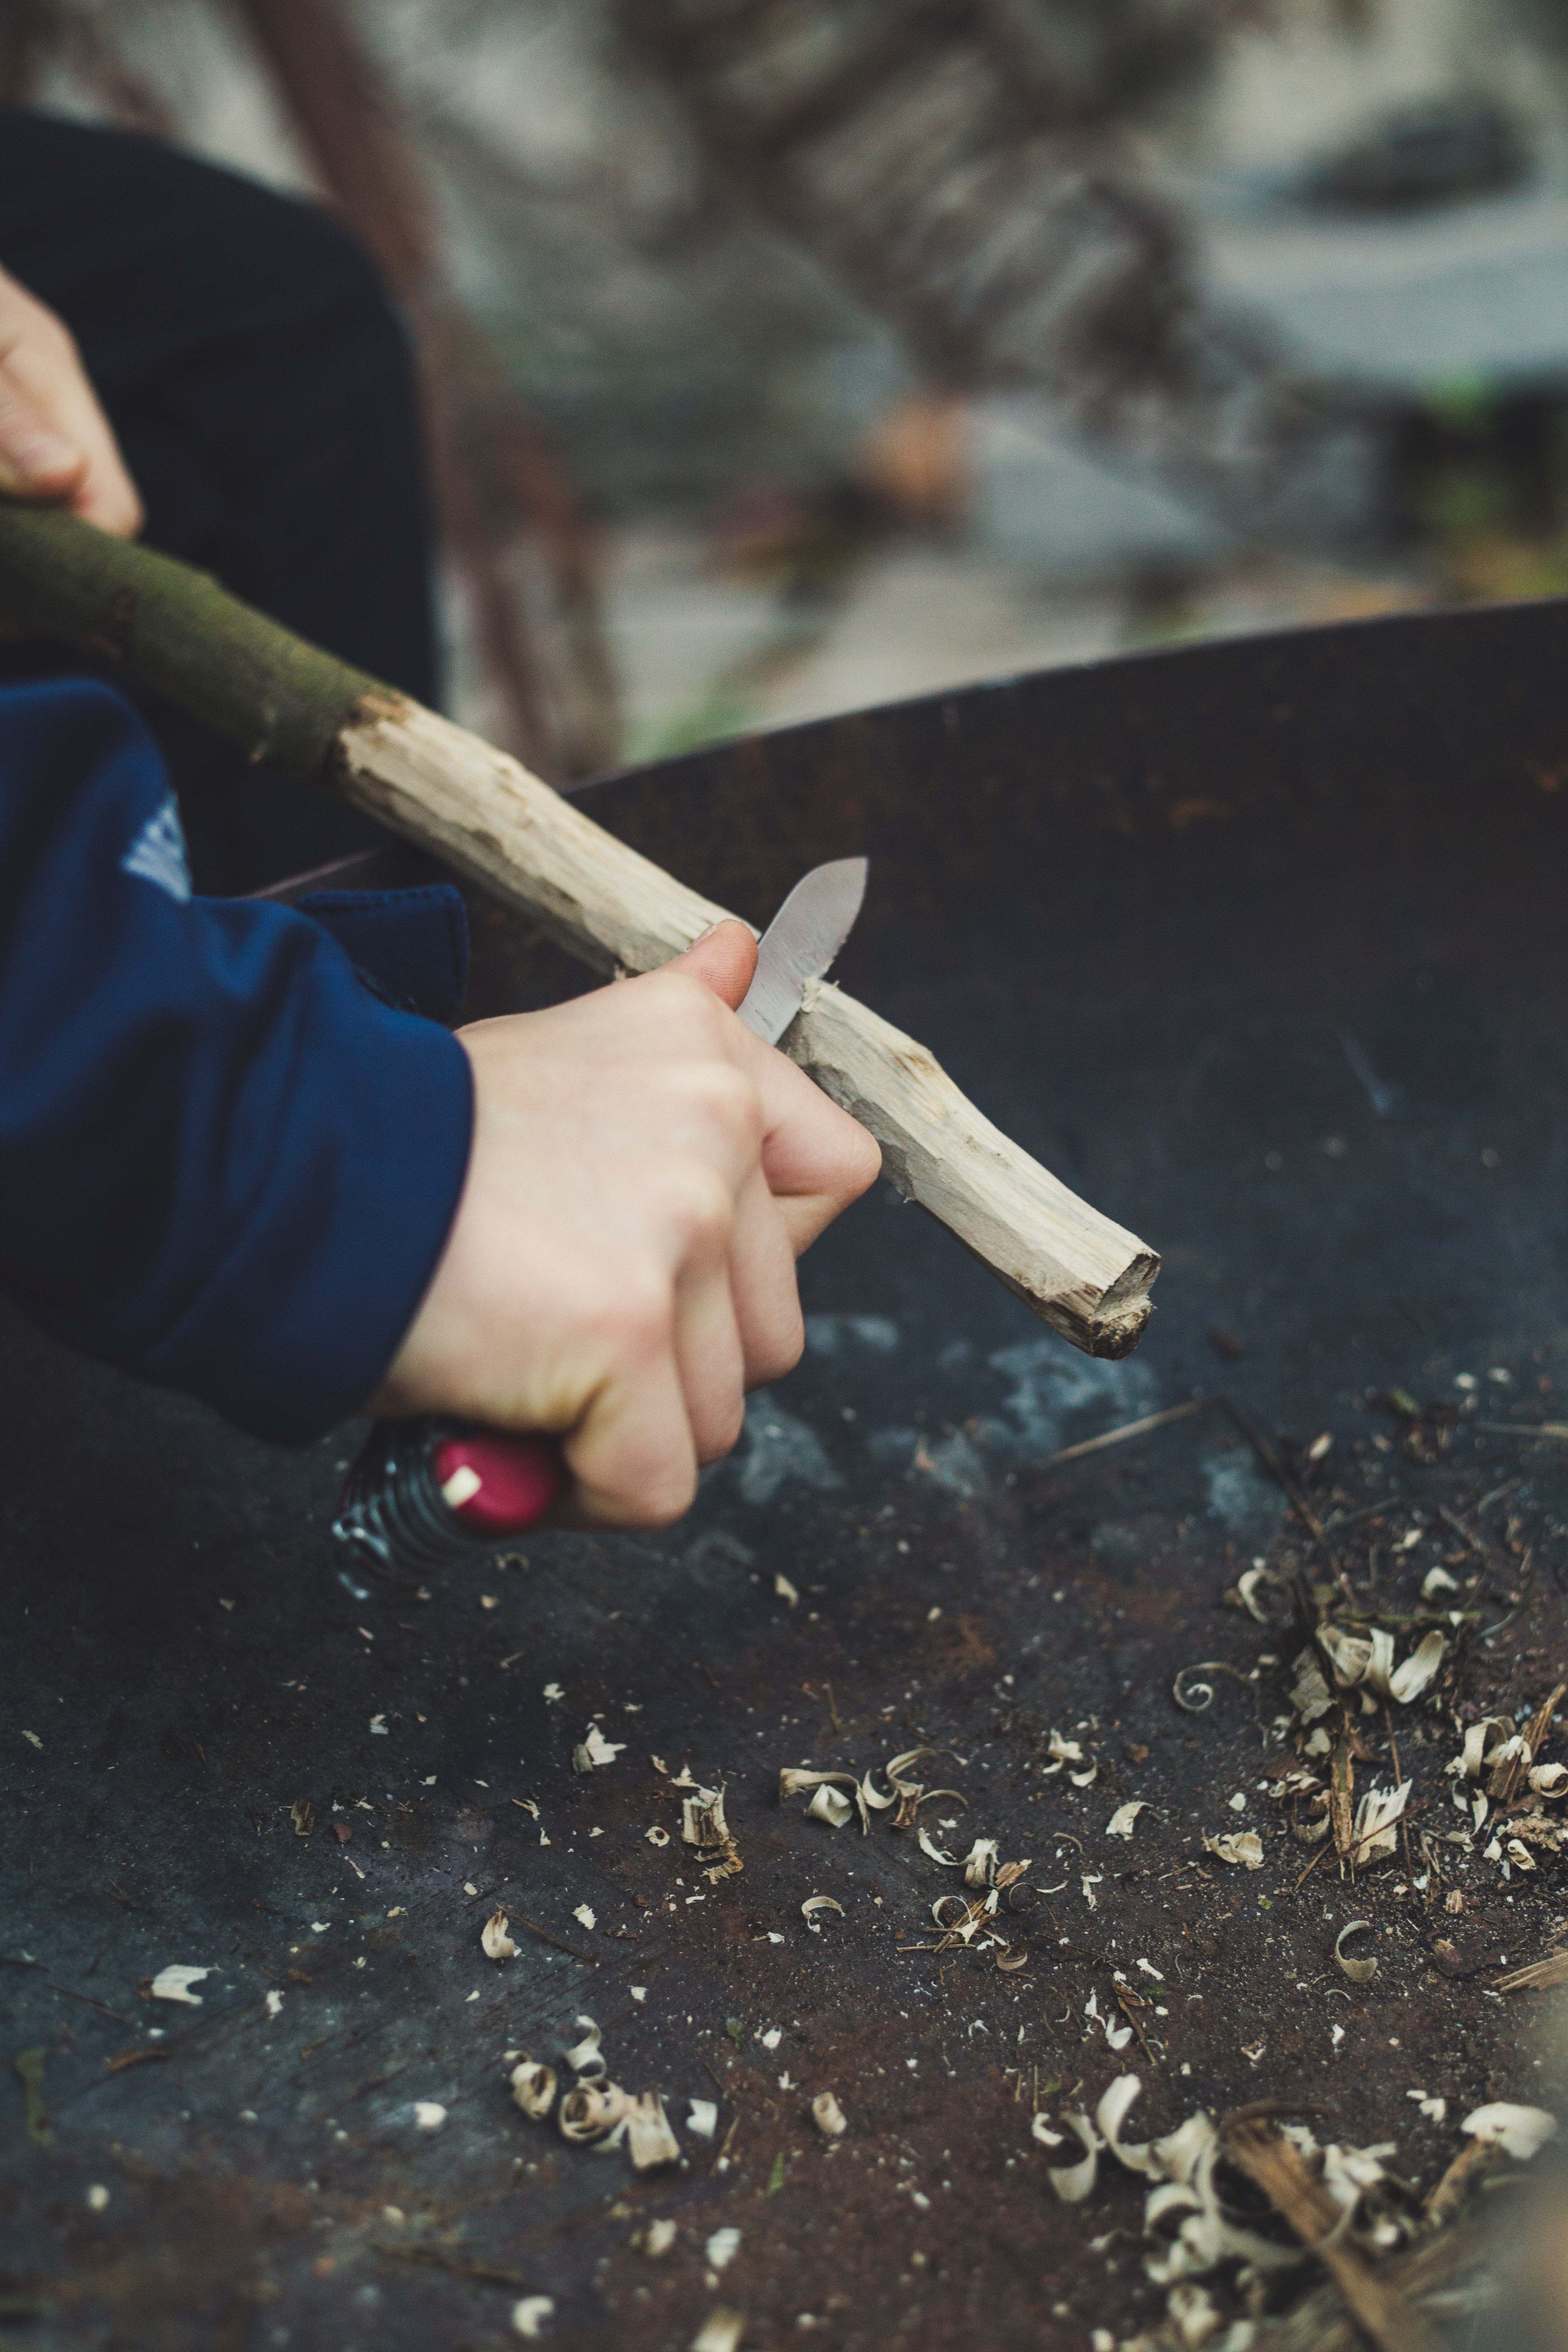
pixel 55 441
pixel 621 1269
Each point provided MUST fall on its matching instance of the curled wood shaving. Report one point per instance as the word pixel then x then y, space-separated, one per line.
pixel 1009 1961
pixel 1246 1586
pixel 1121 1821
pixel 828 2115
pixel 703 1825
pixel 585 2058
pixel 835 1806
pixel 1408 1681
pixel 1376 1817
pixel 494 1941
pixel 1358 1971
pixel 815 1903
pixel 1197 1698
pixel 595 2113
pixel 1482 1741
pixel 1549 1780
pixel 1243 1846
pixel 980 1862
pixel 1074 2182
pixel 533 2087
pixel 830 1805
pixel 936 1853
pixel 658 1836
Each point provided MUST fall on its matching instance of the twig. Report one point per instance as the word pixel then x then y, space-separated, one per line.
pixel 1257 2149
pixel 1128 1429
pixel 1452 1519
pixel 535 1929
pixel 1291 1492
pixel 1450 2192
pixel 434 2259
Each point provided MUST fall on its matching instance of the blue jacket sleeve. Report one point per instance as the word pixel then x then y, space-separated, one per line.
pixel 225 1164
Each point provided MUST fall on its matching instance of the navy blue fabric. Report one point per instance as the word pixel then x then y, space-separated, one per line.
pixel 410 946
pixel 225 1165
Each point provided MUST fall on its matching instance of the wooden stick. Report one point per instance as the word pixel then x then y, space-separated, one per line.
pixel 157 624
pixel 1254 2148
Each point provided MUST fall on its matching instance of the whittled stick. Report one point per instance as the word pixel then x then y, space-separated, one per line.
pixel 157 622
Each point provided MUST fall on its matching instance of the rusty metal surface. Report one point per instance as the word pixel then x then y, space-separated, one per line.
pixel 1138 910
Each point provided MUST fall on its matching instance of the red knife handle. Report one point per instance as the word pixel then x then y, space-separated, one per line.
pixel 423 1494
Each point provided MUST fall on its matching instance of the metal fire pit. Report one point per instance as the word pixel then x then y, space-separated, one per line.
pixel 1260 945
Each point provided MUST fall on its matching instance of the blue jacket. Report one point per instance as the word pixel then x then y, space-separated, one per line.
pixel 226 1164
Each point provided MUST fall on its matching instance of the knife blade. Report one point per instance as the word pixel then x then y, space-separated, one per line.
pixel 800 942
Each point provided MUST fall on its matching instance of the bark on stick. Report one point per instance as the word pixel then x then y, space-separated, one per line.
pixel 157 624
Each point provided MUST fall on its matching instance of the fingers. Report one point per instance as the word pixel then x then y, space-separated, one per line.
pixel 724 959
pixel 763 1286
pixel 55 443
pixel 816 1159
pixel 36 462
pixel 632 1456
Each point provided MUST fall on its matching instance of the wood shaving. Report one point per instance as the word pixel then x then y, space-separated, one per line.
pixel 830 1805
pixel 784 1589
pixel 703 1825
pixel 649 2140
pixel 1519 2132
pixel 828 2115
pixel 720 2332
pixel 815 1903
pixel 1121 1821
pixel 586 1915
pixel 1407 1682
pixel 496 1944
pixel 656 1836
pixel 980 1862
pixel 1376 1818
pixel 703 2120
pixel 659 2236
pixel 529 2315
pixel 585 2058
pixel 302 1813
pixel 937 1853
pixel 1359 1971
pixel 594 1751
pixel 837 1795
pixel 1074 2182
pixel 596 2115
pixel 175 1984
pixel 429 2113
pixel 1243 1846
pixel 533 2087
pixel 1310 1696
pixel 721 2249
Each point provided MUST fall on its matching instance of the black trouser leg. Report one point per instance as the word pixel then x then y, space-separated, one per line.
pixel 260 385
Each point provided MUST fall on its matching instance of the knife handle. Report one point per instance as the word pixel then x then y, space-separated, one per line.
pixel 427 1493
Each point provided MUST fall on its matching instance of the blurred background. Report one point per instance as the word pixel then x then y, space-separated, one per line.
pixel 786 356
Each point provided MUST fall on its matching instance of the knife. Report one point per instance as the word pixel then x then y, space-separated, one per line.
pixel 427 1492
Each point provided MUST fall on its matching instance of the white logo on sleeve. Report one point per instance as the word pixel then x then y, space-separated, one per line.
pixel 158 852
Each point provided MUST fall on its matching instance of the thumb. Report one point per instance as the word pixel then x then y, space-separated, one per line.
pixel 724 959
pixel 34 460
